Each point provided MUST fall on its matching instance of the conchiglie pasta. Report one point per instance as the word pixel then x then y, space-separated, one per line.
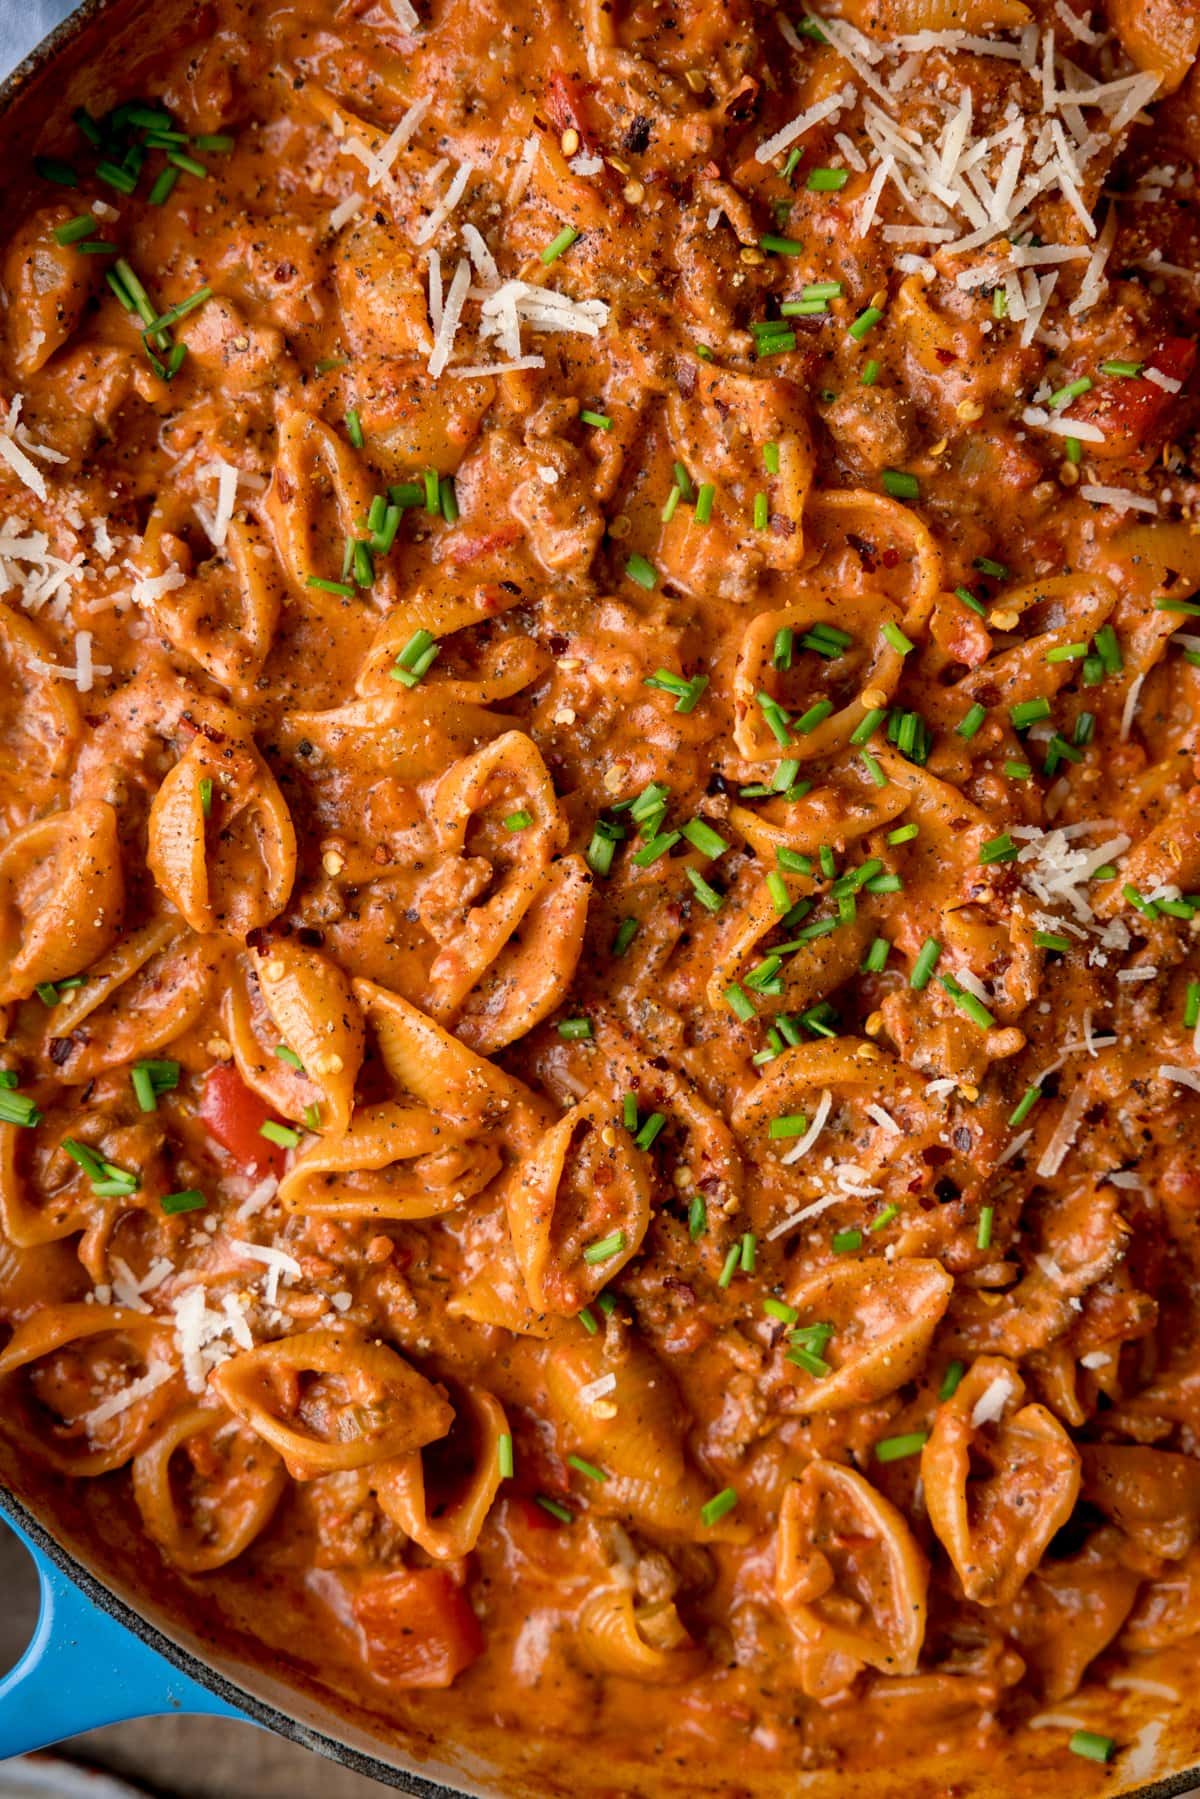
pixel 467 811
pixel 39 718
pixel 136 1000
pixel 440 1496
pixel 62 894
pixel 643 1641
pixel 66 1373
pixel 1000 1478
pixel 532 972
pixel 318 491
pixel 391 1161
pixel 293 997
pixel 883 1316
pixel 206 1487
pixel 849 1577
pixel 578 1207
pixel 327 1400
pixel 222 847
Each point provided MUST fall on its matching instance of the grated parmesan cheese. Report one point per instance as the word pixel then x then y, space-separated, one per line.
pixel 990 1405
pixel 1119 497
pixel 802 1146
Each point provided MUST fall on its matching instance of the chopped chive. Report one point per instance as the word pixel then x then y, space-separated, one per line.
pixel 561 1512
pixel 715 1508
pixel 904 834
pixel 870 374
pixel 655 848
pixel 575 1030
pixel 1028 712
pixel 844 1242
pixel 778 344
pixel 504 1455
pixel 900 484
pixel 448 499
pixel 673 499
pixel 339 587
pixel 1067 652
pixel 598 420
pixel 629 1112
pixel 1115 366
pixel 704 503
pixel 884 1218
pixel 781 655
pixel 999 303
pixel 1108 648
pixel 702 837
pixel 600 851
pixel 987 566
pixel 873 768
pixel 1064 395
pixel 867 726
pixel 791 1124
pixel 18 1108
pixel 983 1236
pixel 407 493
pixel 967 1002
pixel 641 571
pixel 926 962
pixel 47 992
pixel 52 168
pixel 998 849
pixel 74 229
pixel 1191 1006
pixel 866 320
pixel 896 638
pixel 894 1449
pixel 827 181
pixel 697 1216
pixel 816 714
pixel 808 1359
pixel 877 956
pixel 354 430
pixel 651 1130
pixel 739 1002
pixel 1024 1106
pixel 589 1470
pixel 776 1308
pixel 730 1265
pixel 216 141
pixel 1189 608
pixel 1091 1745
pixel 968 725
pixel 626 931
pixel 886 883
pixel 290 1057
pixel 189 1200
pixel 950 1380
pixel 281 1134
pixel 557 245
pixel 1074 449
pixel 1051 940
pixel 793 862
pixel 605 1249
pixel 518 821
pixel 761 512
pixel 709 898
pixel 770 456
pixel 143 1088
pixel 968 599
pixel 747 1247
pixel 780 246
pixel 1017 771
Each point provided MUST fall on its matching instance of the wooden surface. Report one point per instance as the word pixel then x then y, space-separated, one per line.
pixel 178 1758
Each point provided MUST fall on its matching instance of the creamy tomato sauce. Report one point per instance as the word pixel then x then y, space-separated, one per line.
pixel 600 869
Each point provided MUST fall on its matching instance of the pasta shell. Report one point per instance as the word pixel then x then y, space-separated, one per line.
pixel 575 1192
pixel 329 1400
pixel 221 843
pixel 644 1642
pixel 60 1367
pixel 1000 1478
pixel 441 1496
pixel 883 1315
pixel 62 893
pixel 204 1518
pixel 849 1577
pixel 313 1011
pixel 533 971
pixel 39 716
pixel 391 1161
pixel 136 1000
pixel 318 490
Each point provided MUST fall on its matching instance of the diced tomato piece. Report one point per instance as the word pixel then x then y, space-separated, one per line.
pixel 234 1116
pixel 419 1627
pixel 1132 412
pixel 474 549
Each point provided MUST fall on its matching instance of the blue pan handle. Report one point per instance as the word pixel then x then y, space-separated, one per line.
pixel 83 1669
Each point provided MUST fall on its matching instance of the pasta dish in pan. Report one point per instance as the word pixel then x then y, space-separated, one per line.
pixel 600 868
